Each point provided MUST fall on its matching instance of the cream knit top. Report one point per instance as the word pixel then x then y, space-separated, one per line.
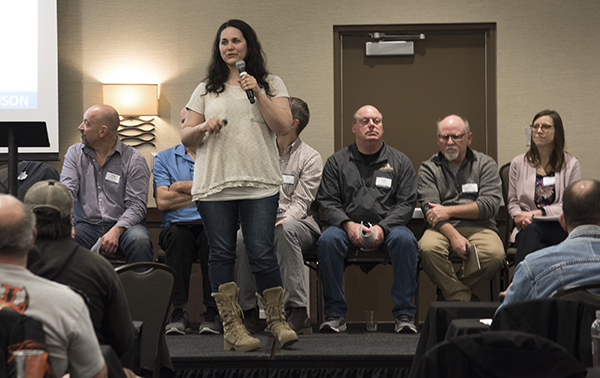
pixel 244 154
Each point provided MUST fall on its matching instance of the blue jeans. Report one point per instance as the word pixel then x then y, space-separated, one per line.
pixel 134 244
pixel 400 244
pixel 257 218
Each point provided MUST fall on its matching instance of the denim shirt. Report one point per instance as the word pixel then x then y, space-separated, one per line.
pixel 575 260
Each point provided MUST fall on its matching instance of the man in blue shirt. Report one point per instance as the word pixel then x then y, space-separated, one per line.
pixel 182 235
pixel 574 261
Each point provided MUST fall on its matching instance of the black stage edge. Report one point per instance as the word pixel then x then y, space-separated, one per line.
pixel 355 353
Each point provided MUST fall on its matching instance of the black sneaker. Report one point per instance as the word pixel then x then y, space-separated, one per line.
pixel 405 324
pixel 180 323
pixel 252 320
pixel 333 325
pixel 211 323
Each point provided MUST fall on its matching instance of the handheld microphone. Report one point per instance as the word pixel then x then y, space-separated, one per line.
pixel 241 66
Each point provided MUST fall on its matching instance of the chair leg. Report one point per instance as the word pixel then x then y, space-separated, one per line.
pixel 417 294
pixel 319 289
pixel 319 296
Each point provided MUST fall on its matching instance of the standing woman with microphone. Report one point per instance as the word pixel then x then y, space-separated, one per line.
pixel 237 176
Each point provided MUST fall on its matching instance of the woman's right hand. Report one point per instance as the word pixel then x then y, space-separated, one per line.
pixel 213 126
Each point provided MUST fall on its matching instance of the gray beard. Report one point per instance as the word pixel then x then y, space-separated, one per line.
pixel 451 153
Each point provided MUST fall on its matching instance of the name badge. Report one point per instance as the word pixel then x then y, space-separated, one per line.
pixel 548 181
pixel 112 177
pixel 288 179
pixel 383 182
pixel 470 187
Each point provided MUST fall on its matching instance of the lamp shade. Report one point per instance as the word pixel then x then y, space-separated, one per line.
pixel 132 99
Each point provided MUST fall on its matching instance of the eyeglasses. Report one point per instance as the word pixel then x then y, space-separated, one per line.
pixel 455 138
pixel 543 127
pixel 366 121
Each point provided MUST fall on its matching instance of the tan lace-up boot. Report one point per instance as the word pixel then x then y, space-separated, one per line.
pixel 235 336
pixel 272 300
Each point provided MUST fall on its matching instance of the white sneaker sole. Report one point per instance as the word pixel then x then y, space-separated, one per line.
pixel 326 328
pixel 174 331
pixel 206 329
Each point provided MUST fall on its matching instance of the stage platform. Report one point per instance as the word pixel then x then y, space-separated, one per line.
pixel 354 353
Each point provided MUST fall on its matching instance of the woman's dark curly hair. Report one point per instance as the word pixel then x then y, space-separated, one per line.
pixel 256 65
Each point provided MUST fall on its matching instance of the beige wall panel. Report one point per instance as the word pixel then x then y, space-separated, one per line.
pixel 547 57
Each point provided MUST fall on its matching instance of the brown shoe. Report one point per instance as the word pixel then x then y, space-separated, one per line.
pixel 299 321
pixel 252 321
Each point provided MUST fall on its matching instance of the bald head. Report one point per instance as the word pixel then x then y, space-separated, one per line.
pixel 454 120
pixel 368 129
pixel 453 138
pixel 108 116
pixel 99 128
pixel 581 203
pixel 17 227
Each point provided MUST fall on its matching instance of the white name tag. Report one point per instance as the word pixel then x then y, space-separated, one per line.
pixel 470 187
pixel 288 179
pixel 383 182
pixel 112 177
pixel 548 181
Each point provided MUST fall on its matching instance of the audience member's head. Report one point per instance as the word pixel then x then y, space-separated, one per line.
pixel 100 126
pixel 51 203
pixel 17 227
pixel 581 204
pixel 368 129
pixel 300 112
pixel 453 138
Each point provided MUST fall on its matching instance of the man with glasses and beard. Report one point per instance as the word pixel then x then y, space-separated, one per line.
pixel 460 193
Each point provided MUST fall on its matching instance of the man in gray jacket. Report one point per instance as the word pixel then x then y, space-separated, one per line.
pixel 460 194
pixel 368 185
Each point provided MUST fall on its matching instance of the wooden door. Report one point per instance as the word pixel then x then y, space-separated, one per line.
pixel 452 71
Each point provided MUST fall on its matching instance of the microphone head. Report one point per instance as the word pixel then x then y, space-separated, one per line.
pixel 240 65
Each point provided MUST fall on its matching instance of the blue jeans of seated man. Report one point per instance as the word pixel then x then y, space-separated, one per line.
pixel 134 244
pixel 400 244
pixel 257 218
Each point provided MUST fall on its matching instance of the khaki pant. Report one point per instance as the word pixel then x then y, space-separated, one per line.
pixel 434 249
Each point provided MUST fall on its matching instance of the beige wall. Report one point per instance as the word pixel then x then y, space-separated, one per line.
pixel 547 57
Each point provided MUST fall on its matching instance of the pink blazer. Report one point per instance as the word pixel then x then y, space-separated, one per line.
pixel 521 189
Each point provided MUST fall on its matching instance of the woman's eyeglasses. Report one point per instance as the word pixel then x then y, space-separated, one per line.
pixel 543 127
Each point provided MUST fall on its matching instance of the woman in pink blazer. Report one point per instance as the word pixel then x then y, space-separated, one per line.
pixel 538 179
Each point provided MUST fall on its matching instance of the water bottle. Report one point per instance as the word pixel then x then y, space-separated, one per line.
pixel 596 340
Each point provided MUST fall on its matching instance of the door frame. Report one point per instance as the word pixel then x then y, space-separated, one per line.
pixel 487 29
